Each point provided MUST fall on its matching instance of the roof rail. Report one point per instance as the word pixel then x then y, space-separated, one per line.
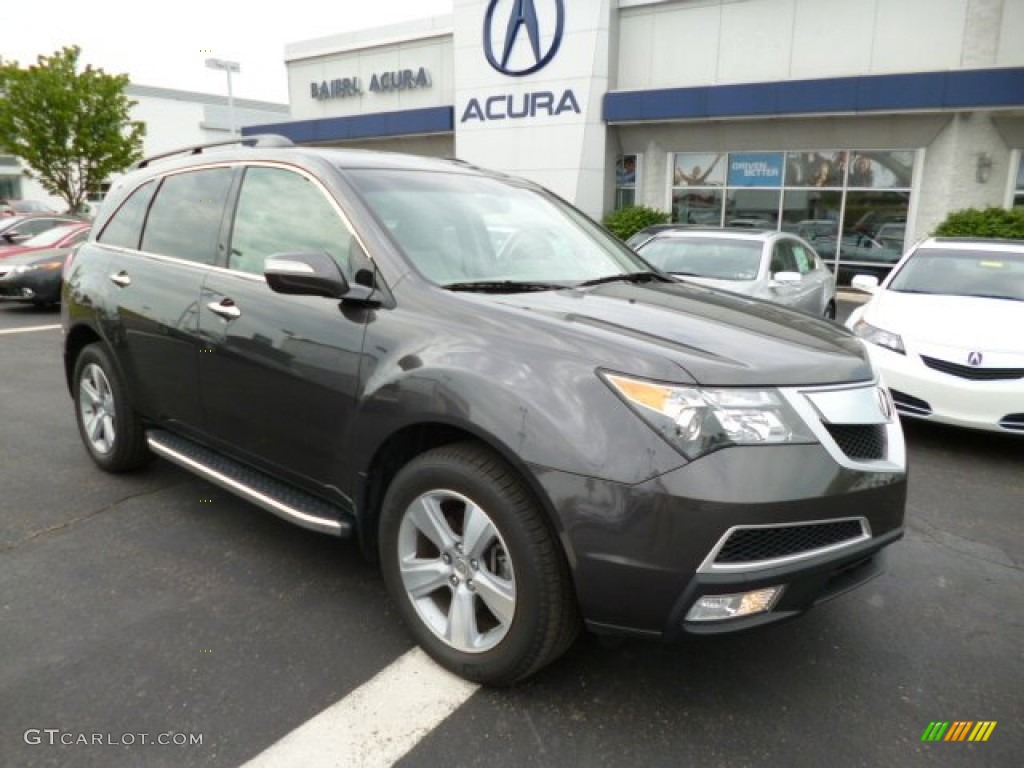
pixel 256 140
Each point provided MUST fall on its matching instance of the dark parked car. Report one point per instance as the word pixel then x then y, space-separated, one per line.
pixel 529 427
pixel 33 277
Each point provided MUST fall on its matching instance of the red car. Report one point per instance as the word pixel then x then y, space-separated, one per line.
pixel 64 236
pixel 15 230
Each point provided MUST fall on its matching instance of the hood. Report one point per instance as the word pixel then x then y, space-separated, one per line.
pixel 956 322
pixel 710 337
pixel 31 257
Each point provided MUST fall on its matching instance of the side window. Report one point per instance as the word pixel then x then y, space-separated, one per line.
pixel 281 211
pixel 804 260
pixel 782 258
pixel 125 227
pixel 184 220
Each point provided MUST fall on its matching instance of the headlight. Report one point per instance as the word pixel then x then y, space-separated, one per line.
pixel 698 420
pixel 23 268
pixel 878 336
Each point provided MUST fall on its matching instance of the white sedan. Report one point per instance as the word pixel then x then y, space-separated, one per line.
pixel 946 330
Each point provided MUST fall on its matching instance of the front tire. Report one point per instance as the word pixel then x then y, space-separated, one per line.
pixel 111 431
pixel 473 566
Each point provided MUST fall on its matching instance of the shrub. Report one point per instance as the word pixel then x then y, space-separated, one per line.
pixel 983 222
pixel 626 222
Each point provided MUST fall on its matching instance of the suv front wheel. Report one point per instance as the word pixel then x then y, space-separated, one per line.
pixel 473 566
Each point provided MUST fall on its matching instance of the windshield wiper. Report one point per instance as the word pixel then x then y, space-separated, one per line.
pixel 502 286
pixel 627 277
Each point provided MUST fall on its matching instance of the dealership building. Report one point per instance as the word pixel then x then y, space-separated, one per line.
pixel 854 114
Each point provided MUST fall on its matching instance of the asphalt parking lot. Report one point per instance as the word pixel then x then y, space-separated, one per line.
pixel 155 603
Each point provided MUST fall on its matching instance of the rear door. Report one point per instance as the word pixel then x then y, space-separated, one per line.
pixel 279 373
pixel 156 284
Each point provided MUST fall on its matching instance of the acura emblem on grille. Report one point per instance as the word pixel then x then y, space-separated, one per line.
pixel 974 358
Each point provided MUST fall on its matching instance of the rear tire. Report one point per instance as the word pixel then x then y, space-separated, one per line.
pixel 111 431
pixel 473 566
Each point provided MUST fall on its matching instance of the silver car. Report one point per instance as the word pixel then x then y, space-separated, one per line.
pixel 770 265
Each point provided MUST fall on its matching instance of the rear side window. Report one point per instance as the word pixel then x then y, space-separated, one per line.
pixel 281 211
pixel 125 227
pixel 184 220
pixel 804 260
pixel 783 259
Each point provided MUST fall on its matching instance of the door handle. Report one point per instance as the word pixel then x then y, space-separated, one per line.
pixel 225 308
pixel 121 279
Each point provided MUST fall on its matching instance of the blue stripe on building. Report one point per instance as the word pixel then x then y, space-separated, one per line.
pixel 412 122
pixel 962 89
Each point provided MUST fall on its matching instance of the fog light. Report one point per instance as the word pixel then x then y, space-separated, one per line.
pixel 718 607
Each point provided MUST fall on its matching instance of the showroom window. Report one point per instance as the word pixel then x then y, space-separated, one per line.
pixel 847 202
pixel 626 170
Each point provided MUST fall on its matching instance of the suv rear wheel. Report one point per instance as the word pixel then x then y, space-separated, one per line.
pixel 473 566
pixel 111 431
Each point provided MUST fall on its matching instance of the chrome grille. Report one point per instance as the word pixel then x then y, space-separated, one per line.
pixel 744 546
pixel 971 373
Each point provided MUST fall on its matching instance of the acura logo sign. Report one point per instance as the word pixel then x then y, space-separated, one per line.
pixel 974 359
pixel 504 37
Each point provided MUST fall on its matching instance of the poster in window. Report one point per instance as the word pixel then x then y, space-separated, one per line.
pixel 699 169
pixel 815 169
pixel 755 169
pixel 871 169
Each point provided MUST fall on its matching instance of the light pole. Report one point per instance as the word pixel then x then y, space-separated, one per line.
pixel 229 67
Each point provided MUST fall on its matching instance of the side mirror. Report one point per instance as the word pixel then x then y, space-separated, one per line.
pixel 866 283
pixel 310 273
pixel 788 278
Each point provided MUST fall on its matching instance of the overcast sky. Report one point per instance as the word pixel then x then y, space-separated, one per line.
pixel 165 43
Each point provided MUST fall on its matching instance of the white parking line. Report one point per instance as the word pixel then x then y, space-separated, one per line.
pixel 376 724
pixel 30 329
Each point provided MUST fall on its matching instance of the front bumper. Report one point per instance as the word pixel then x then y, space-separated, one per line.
pixel 923 393
pixel 642 555
pixel 40 286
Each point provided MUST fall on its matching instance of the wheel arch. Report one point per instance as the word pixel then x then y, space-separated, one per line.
pixel 78 338
pixel 412 440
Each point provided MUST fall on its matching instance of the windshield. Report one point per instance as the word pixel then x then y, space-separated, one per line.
pixel 705 257
pixel 49 237
pixel 987 274
pixel 459 228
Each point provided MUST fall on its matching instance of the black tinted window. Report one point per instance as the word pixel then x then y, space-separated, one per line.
pixel 184 220
pixel 125 226
pixel 280 211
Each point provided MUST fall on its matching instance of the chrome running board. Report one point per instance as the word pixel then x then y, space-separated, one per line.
pixel 285 501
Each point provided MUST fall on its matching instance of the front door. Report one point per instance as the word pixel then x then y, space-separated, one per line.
pixel 279 374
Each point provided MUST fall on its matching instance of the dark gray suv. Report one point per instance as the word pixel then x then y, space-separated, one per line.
pixel 529 426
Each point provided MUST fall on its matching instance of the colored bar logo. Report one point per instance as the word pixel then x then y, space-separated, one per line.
pixel 959 730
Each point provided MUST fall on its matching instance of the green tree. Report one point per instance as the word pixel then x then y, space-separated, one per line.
pixel 626 222
pixel 71 127
pixel 983 222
